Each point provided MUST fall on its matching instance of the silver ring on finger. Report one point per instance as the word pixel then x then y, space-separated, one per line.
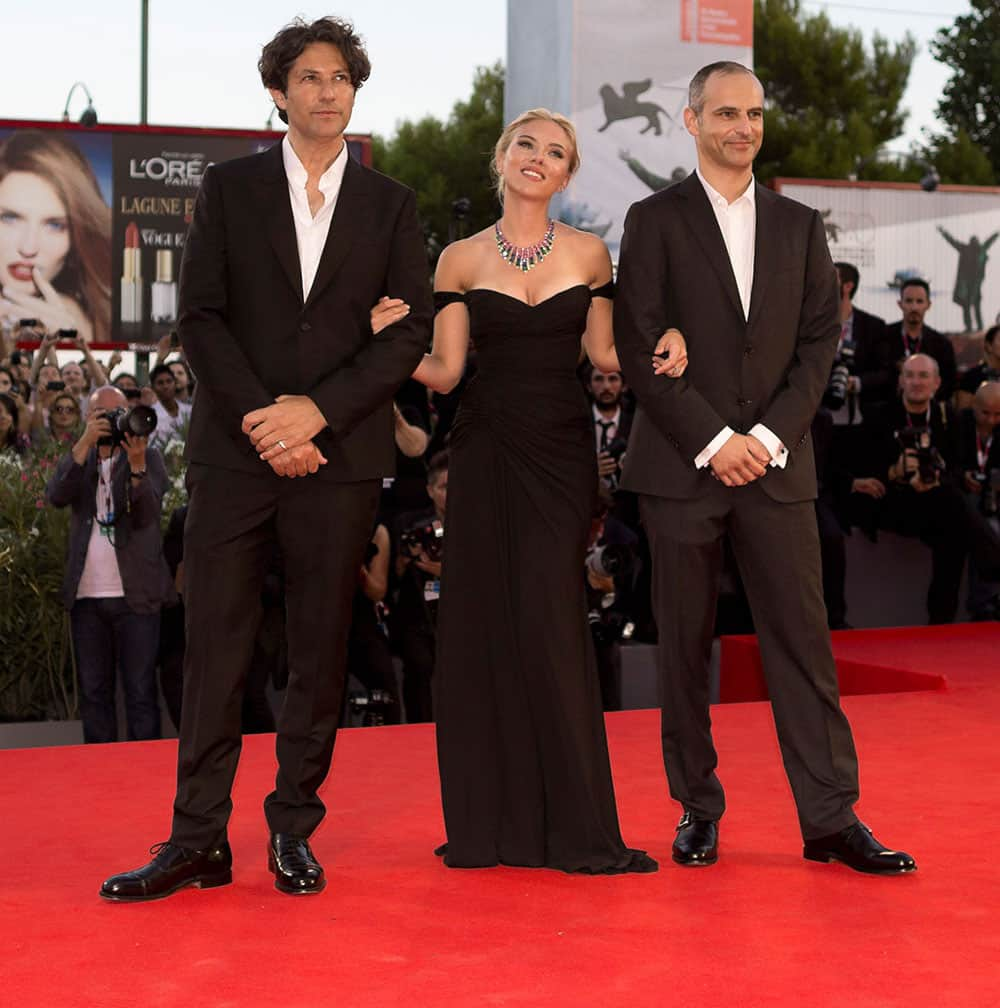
pixel 282 445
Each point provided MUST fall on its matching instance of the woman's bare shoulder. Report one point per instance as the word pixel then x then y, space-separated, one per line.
pixel 589 249
pixel 460 261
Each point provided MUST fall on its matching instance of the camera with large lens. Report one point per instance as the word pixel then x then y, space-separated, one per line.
pixel 607 611
pixel 369 709
pixel 425 537
pixel 840 378
pixel 613 560
pixel 616 449
pixel 609 625
pixel 929 461
pixel 137 421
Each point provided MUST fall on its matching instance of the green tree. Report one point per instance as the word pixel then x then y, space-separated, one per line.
pixel 831 103
pixel 959 160
pixel 447 161
pixel 971 102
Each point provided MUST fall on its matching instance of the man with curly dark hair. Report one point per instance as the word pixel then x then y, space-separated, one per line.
pixel 290 437
pixel 287 46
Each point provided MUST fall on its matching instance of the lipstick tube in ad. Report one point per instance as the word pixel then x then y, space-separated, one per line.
pixel 164 288
pixel 131 306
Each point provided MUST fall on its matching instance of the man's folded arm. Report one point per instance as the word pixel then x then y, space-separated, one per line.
pixel 641 317
pixel 358 387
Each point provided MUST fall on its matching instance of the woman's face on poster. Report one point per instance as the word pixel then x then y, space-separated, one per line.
pixel 34 231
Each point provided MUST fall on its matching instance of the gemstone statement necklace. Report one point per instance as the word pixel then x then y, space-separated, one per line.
pixel 525 259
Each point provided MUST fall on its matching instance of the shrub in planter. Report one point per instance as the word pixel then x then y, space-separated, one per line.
pixel 37 679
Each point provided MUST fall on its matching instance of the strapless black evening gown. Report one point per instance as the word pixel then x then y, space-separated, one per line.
pixel 522 751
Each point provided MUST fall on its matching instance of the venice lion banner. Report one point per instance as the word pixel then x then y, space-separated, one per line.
pixel 620 71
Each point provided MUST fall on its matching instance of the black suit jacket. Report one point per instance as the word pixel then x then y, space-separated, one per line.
pixel 968 443
pixel 932 343
pixel 250 337
pixel 772 368
pixel 872 360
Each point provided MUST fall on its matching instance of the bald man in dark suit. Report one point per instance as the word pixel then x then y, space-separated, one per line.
pixel 746 276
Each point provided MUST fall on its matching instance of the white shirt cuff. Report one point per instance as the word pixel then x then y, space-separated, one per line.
pixel 777 451
pixel 705 455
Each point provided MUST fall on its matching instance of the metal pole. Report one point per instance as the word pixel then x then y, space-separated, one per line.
pixel 142 356
pixel 144 65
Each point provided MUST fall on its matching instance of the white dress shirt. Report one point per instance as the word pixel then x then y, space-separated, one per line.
pixel 311 232
pixel 168 426
pixel 101 577
pixel 738 224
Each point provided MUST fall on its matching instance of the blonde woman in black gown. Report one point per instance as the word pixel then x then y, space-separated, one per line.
pixel 523 757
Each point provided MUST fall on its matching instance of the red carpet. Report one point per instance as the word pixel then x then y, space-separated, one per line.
pixel 762 928
pixel 889 660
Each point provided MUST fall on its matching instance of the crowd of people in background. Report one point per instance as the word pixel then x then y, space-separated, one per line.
pixel 905 443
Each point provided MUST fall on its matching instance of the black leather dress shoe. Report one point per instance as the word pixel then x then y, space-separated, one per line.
pixel 697 842
pixel 295 870
pixel 858 849
pixel 172 868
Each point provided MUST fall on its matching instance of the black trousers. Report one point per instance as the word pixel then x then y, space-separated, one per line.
pixel 833 555
pixel 938 519
pixel 233 523
pixel 417 646
pixel 108 636
pixel 777 550
pixel 369 659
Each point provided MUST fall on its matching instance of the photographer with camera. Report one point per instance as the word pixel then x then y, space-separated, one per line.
pixel 915 457
pixel 610 571
pixel 116 579
pixel 612 422
pixel 979 449
pixel 418 542
pixel 369 659
pixel 862 373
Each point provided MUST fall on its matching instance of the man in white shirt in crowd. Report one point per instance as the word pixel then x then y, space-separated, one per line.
pixel 612 422
pixel 172 415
